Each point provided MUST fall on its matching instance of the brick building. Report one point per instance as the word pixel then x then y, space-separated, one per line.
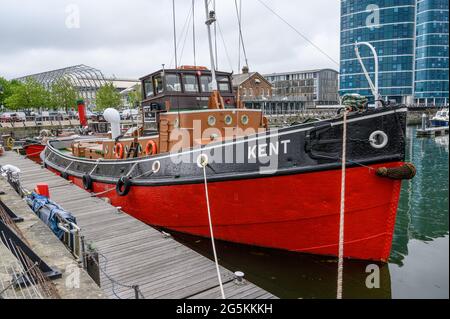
pixel 251 86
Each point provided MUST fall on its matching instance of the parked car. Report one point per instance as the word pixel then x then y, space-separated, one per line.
pixel 127 114
pixel 73 115
pixel 12 117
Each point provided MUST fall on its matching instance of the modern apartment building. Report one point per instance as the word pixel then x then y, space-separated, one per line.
pixel 411 40
pixel 313 87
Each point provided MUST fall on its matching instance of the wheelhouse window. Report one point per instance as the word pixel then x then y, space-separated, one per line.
pixel 158 83
pixel 205 82
pixel 223 83
pixel 148 88
pixel 190 83
pixel 173 83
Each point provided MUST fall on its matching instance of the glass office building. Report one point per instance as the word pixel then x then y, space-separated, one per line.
pixel 431 77
pixel 411 39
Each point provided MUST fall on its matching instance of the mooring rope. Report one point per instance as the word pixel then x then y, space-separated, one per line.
pixel 32 154
pixel 204 162
pixel 342 209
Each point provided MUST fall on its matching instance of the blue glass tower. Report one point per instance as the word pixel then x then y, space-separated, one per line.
pixel 389 26
pixel 411 39
pixel 431 76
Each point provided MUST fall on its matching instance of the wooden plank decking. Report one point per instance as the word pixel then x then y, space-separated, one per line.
pixel 132 252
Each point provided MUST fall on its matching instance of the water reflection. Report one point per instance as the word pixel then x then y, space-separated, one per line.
pixel 423 207
pixel 422 217
pixel 293 275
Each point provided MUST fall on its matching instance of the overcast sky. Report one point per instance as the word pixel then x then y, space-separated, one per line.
pixel 134 37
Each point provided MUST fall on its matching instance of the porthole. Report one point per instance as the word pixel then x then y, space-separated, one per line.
pixel 211 120
pixel 378 139
pixel 228 120
pixel 244 119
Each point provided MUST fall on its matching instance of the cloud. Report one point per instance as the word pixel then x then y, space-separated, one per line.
pixel 133 38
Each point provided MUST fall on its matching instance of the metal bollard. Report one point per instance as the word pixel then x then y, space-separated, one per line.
pixel 424 121
pixel 239 277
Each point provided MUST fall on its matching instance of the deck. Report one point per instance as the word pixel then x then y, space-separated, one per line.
pixel 133 253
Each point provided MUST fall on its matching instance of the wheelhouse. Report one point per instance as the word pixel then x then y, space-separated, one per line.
pixel 185 88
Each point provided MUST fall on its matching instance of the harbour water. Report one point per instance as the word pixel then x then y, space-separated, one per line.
pixel 419 262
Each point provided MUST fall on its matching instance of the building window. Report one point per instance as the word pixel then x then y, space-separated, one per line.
pixel 250 92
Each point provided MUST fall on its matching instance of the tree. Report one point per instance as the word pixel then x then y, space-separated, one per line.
pixel 107 96
pixel 63 94
pixel 27 95
pixel 135 96
pixel 5 89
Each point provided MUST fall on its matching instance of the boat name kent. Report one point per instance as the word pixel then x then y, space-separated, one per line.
pixel 263 150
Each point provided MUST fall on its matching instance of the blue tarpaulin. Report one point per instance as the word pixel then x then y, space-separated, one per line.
pixel 48 211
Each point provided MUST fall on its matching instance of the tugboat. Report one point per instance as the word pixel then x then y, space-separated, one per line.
pixel 267 187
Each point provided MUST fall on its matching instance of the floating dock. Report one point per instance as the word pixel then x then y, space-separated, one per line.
pixel 132 253
pixel 432 131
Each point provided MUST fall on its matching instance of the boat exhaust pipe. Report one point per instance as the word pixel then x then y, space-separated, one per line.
pixel 113 117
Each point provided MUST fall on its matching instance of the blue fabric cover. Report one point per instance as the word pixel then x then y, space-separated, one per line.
pixel 47 211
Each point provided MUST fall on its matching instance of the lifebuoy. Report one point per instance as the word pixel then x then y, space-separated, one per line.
pixel 118 150
pixel 150 148
pixel 123 186
pixel 378 139
pixel 87 182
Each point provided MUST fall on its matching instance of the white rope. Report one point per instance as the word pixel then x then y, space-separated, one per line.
pixel 342 209
pixel 203 164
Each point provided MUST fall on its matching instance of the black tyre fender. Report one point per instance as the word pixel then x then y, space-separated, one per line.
pixel 65 175
pixel 123 186
pixel 87 182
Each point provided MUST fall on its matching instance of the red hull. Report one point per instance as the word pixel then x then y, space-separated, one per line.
pixel 33 152
pixel 294 212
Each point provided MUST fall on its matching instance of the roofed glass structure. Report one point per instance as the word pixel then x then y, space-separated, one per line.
pixel 85 79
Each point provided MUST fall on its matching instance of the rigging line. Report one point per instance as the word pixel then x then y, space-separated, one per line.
pixel 174 33
pixel 299 33
pixel 185 39
pixel 215 37
pixel 224 46
pixel 183 30
pixel 239 38
pixel 193 31
pixel 238 14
